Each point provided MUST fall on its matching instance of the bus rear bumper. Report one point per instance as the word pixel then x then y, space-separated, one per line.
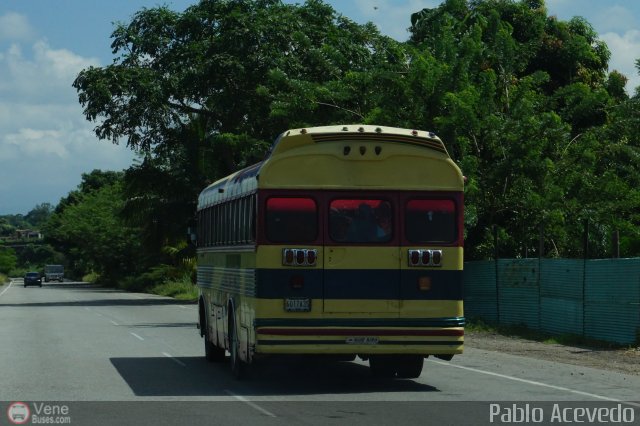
pixel 375 341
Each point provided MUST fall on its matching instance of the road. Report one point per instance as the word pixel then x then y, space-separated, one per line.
pixel 131 358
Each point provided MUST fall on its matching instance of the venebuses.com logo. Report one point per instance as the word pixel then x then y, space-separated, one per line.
pixel 18 413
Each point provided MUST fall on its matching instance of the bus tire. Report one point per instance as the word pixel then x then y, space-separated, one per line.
pixel 212 352
pixel 382 366
pixel 238 367
pixel 409 366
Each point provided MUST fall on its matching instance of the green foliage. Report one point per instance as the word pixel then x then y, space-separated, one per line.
pixel 182 289
pixel 19 271
pixel 522 100
pixel 94 236
pixel 91 277
pixel 8 260
pixel 39 215
pixel 38 255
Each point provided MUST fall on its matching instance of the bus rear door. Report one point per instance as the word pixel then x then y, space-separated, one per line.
pixel 361 256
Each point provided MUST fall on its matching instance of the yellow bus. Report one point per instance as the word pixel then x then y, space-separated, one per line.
pixel 345 241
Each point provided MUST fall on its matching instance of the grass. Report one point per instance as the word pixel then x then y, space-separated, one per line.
pixel 181 290
pixel 91 277
pixel 523 332
pixel 3 279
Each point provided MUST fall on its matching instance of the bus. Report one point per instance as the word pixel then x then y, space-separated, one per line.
pixel 345 241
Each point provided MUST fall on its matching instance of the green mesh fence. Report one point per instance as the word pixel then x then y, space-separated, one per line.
pixel 599 299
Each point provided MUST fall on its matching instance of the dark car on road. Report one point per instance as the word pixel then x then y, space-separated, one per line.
pixel 32 278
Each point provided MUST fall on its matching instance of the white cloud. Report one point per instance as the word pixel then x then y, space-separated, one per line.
pixel 625 49
pixel 45 141
pixel 41 75
pixel 14 26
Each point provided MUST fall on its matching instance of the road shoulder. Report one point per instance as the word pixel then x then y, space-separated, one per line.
pixel 623 360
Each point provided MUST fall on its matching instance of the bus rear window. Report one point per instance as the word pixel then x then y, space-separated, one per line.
pixel 430 221
pixel 360 221
pixel 291 220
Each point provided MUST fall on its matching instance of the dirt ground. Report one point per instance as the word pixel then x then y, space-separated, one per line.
pixel 621 360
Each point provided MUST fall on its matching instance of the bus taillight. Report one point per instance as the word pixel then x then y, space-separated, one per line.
pixel 425 257
pixel 299 257
pixel 414 257
pixel 311 257
pixel 287 258
pixel 437 257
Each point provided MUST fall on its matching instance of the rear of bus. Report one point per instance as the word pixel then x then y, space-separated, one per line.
pixel 360 248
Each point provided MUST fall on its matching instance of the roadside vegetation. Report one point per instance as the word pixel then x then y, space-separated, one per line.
pixel 182 289
pixel 520 331
pixel 524 102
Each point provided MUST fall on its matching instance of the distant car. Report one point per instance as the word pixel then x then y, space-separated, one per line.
pixel 32 278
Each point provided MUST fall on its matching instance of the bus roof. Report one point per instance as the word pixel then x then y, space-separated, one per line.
pixel 357 133
pixel 345 156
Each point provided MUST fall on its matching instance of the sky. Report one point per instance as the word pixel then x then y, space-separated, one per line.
pixel 45 141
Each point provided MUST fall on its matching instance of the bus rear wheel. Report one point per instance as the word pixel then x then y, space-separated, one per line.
pixel 238 367
pixel 382 366
pixel 401 366
pixel 409 366
pixel 212 352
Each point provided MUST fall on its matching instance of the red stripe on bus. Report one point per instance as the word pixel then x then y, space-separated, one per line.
pixel 352 331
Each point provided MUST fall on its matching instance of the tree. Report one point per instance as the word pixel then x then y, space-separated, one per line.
pixel 522 100
pixel 204 92
pixel 8 260
pixel 39 215
pixel 212 61
pixel 95 238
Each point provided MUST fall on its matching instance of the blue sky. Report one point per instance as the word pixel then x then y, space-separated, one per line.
pixel 45 142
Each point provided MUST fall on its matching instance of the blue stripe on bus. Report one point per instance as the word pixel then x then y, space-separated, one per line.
pixel 358 284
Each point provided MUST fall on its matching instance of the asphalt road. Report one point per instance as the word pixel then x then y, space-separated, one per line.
pixel 111 357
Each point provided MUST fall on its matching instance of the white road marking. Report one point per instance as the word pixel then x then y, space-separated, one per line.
pixel 87 309
pixel 136 336
pixel 533 382
pixel 174 359
pixel 251 404
pixel 4 291
pixel 113 322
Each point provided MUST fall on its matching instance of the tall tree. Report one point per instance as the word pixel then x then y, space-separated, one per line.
pixel 204 92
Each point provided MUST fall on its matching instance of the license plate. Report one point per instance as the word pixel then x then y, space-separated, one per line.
pixel 297 304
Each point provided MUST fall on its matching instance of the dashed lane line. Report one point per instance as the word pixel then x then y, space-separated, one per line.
pixel 535 383
pixel 174 359
pixel 5 290
pixel 251 404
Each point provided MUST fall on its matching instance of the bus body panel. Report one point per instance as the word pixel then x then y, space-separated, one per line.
pixel 357 298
